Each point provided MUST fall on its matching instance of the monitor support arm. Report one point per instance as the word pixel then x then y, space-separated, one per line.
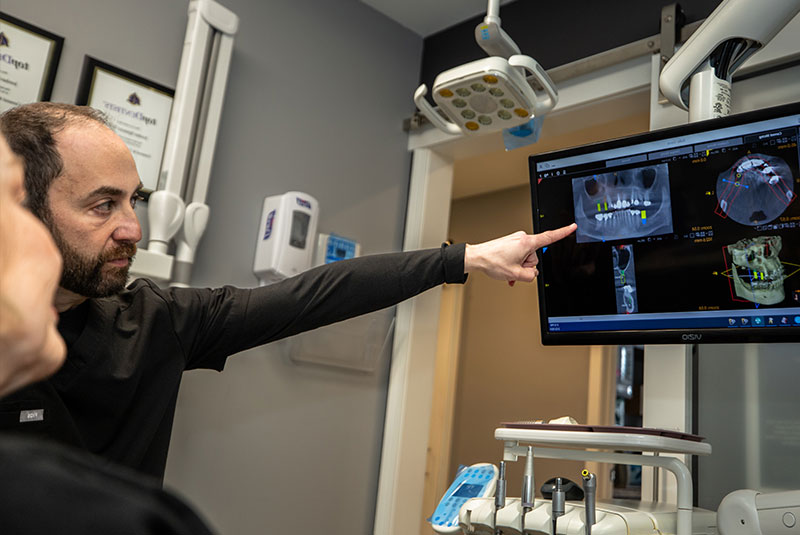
pixel 698 77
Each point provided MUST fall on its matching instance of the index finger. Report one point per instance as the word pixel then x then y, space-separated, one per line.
pixel 551 236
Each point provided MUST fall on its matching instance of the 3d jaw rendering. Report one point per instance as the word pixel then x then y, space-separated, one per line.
pixel 757 271
pixel 756 189
pixel 623 204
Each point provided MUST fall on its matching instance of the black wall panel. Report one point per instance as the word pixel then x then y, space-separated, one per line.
pixel 555 33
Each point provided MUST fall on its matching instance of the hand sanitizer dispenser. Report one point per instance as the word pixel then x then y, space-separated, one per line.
pixel 286 236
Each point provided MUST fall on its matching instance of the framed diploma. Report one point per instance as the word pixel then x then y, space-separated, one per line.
pixel 28 62
pixel 137 109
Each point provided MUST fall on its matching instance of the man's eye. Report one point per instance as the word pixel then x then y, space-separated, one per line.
pixel 104 207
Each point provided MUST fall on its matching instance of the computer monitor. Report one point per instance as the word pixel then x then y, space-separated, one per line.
pixel 689 234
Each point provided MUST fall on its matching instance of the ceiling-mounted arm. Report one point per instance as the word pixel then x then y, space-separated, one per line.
pixel 491 37
pixel 698 76
pixel 493 12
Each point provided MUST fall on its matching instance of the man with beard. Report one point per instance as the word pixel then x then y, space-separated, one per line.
pixel 45 488
pixel 128 347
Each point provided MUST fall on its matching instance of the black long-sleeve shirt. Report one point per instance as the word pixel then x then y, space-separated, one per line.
pixel 116 393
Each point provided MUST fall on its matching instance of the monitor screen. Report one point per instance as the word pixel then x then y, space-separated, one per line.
pixel 689 234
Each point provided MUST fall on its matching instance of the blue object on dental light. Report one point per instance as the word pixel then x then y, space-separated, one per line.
pixel 524 134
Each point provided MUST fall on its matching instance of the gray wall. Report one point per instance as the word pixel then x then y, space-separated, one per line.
pixel 748 410
pixel 316 97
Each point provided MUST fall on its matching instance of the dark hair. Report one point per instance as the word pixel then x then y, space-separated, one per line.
pixel 30 130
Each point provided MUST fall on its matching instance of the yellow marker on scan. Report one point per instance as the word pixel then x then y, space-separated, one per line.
pixel 598 208
pixel 644 214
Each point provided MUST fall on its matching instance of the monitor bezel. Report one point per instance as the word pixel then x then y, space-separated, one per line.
pixel 762 334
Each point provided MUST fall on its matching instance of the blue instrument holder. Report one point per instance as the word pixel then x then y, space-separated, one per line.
pixel 476 481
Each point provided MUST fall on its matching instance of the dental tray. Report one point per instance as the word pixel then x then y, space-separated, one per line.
pixel 604 429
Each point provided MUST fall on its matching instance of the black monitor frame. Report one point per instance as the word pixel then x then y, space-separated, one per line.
pixel 556 260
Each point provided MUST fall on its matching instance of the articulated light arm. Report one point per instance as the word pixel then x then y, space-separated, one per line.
pixel 491 37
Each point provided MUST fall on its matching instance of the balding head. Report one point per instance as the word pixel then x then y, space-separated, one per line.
pixel 31 132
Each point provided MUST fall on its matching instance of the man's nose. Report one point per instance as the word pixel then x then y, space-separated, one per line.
pixel 128 228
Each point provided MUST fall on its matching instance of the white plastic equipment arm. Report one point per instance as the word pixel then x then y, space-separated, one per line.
pixel 540 75
pixel 755 22
pixel 428 111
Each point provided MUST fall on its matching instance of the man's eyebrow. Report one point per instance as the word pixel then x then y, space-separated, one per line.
pixel 109 190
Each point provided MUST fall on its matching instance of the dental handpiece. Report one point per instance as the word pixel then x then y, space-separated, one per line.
pixel 500 494
pixel 527 482
pixel 589 494
pixel 559 500
pixel 527 488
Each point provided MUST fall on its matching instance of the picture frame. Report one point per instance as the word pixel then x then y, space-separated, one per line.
pixel 29 58
pixel 137 109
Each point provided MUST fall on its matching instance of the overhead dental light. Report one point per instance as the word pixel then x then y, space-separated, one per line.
pixel 503 91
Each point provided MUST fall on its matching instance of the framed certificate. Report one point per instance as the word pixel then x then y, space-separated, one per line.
pixel 137 109
pixel 28 62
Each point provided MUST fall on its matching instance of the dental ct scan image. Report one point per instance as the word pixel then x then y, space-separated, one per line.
pixel 622 204
pixel 624 279
pixel 756 189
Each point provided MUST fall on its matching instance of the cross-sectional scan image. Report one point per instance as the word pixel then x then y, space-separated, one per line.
pixel 622 204
pixel 756 270
pixel 755 190
pixel 624 279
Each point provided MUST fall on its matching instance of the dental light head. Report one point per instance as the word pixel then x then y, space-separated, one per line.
pixel 703 67
pixel 502 91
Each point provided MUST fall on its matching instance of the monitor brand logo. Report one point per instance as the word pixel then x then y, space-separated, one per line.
pixel 691 337
pixel 304 203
